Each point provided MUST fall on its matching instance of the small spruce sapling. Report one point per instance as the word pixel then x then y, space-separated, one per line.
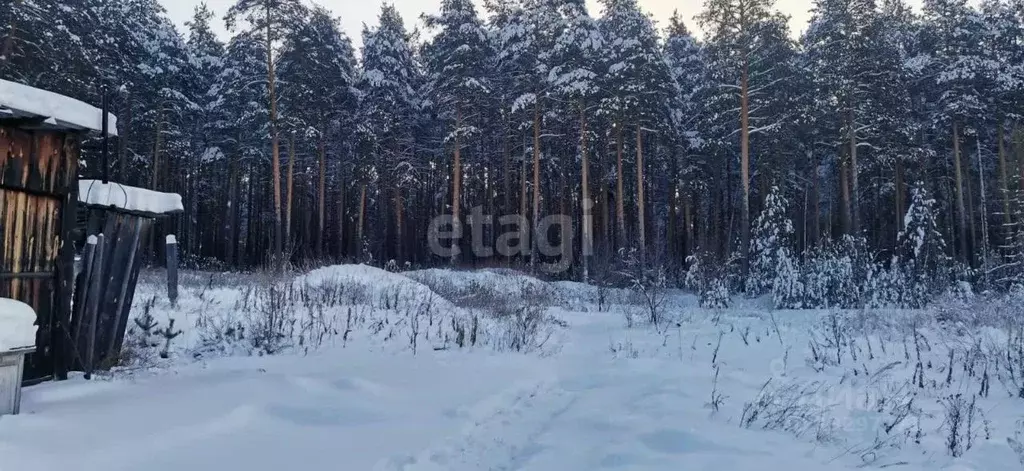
pixel 169 334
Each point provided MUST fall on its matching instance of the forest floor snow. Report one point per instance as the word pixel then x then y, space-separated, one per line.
pixel 609 397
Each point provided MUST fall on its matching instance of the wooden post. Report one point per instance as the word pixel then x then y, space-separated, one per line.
pixel 172 269
pixel 92 312
pixel 62 342
pixel 82 286
pixel 116 335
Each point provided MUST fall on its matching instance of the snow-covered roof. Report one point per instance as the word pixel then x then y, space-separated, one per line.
pixel 17 325
pixel 128 198
pixel 22 101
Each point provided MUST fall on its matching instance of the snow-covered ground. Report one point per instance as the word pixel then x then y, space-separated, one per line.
pixel 739 389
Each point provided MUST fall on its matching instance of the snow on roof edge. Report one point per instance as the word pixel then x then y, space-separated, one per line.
pixel 58 110
pixel 128 198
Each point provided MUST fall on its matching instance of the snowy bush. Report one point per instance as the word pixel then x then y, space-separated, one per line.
pixel 794 407
pixel 715 295
pixel 787 286
pixel 885 286
pixel 708 281
pixel 830 277
pixel 964 423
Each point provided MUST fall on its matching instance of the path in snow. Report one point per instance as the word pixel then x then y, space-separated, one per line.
pixel 599 413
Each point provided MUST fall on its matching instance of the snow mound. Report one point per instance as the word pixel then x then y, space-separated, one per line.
pixel 128 198
pixel 17 325
pixel 499 281
pixel 59 110
pixel 378 283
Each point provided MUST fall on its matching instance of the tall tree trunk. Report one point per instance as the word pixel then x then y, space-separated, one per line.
pixel 157 146
pixel 972 209
pixel 674 236
pixel 898 196
pixel 399 256
pixel 154 241
pixel 604 207
pixel 854 180
pixel 844 193
pixel 506 171
pixel 230 236
pixel 620 205
pixel 361 250
pixel 815 203
pixel 689 202
pixel 524 200
pixel 321 197
pixel 745 163
pixel 586 205
pixel 290 189
pixel 536 185
pixel 961 207
pixel 274 150
pixel 457 182
pixel 124 135
pixel 641 220
pixel 1004 179
pixel 983 208
pixel 1018 144
pixel 251 222
pixel 342 215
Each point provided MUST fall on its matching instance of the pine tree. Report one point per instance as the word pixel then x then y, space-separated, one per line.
pixel 389 84
pixel 840 45
pixel 242 128
pixel 731 26
pixel 271 20
pixel 637 79
pixel 456 61
pixel 574 79
pixel 954 53
pixel 317 68
pixel 206 56
pixel 687 68
pixel 45 45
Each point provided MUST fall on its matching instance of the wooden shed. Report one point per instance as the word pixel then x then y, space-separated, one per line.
pixel 118 220
pixel 40 142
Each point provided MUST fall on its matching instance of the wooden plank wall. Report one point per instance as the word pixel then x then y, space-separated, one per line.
pixel 38 182
pixel 115 276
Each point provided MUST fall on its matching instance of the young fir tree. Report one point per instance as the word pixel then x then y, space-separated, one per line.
pixel 922 248
pixel 773 268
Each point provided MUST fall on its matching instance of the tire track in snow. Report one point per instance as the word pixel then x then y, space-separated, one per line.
pixel 500 433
